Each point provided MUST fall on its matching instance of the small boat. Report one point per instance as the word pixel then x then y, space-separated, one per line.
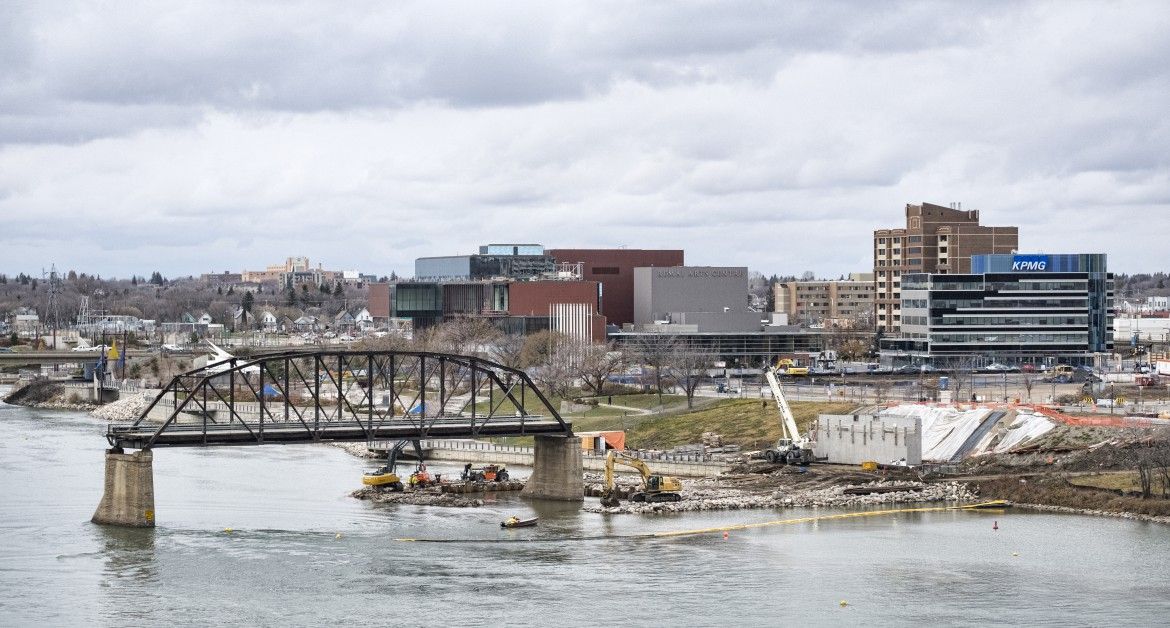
pixel 516 522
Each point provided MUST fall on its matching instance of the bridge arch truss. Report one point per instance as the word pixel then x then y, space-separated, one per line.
pixel 341 395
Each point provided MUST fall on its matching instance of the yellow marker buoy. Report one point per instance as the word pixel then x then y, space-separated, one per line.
pixel 338 536
pixel 1015 553
pixel 227 530
pixel 843 603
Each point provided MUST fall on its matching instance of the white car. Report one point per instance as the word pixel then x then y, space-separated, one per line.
pixel 90 349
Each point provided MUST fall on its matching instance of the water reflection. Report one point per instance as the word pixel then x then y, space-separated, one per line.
pixel 128 554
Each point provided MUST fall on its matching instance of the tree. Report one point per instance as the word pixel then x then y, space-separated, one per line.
pixel 539 348
pixel 338 290
pixel 246 305
pixel 292 297
pixel 688 367
pixel 1027 380
pixel 597 363
pixel 655 351
pixel 508 350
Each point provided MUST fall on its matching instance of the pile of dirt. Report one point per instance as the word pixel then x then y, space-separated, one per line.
pixel 40 393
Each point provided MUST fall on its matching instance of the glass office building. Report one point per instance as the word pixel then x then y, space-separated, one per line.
pixel 1012 309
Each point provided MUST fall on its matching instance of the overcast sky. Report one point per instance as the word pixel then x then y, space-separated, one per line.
pixel 198 137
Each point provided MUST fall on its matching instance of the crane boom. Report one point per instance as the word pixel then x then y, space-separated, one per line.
pixel 787 421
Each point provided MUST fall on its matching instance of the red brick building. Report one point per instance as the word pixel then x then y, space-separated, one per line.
pixel 538 298
pixel 614 270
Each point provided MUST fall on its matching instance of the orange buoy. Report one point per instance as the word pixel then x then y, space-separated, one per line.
pixel 725 535
pixel 995 525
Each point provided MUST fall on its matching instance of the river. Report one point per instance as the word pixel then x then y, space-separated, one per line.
pixel 283 563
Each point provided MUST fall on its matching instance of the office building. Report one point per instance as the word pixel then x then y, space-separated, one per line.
pixel 701 298
pixel 935 239
pixel 494 261
pixel 1011 309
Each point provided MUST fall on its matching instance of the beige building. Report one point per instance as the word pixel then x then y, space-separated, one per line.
pixel 841 302
pixel 274 273
pixel 935 239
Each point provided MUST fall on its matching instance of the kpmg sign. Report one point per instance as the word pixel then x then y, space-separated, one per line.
pixel 1030 262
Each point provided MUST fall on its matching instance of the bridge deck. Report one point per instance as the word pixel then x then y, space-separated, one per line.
pixel 252 433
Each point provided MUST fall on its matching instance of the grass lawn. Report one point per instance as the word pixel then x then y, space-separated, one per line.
pixel 1123 481
pixel 645 401
pixel 751 423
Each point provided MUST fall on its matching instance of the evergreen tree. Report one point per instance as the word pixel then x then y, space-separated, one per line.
pixel 246 305
pixel 338 290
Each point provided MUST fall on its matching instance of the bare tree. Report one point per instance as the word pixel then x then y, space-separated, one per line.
pixel 655 351
pixel 508 350
pixel 1027 380
pixel 688 368
pixel 962 379
pixel 596 364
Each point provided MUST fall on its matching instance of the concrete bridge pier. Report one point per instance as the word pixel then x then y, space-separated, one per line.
pixel 128 499
pixel 556 469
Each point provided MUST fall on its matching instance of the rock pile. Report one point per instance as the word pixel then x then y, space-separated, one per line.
pixel 425 497
pixel 123 410
pixel 708 496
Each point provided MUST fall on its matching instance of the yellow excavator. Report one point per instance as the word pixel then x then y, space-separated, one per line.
pixel 655 488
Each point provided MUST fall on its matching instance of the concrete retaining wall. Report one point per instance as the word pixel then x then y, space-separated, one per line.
pixel 857 438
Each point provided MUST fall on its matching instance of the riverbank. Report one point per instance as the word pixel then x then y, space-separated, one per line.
pixel 48 395
pixel 1056 494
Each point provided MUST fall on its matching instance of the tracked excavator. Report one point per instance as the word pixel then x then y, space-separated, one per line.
pixel 655 488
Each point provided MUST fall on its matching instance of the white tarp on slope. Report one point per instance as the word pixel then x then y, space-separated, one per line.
pixel 1025 428
pixel 944 430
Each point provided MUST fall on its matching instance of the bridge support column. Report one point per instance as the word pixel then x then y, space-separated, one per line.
pixel 556 469
pixel 129 492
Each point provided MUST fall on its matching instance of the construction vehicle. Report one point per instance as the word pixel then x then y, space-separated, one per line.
pixel 787 367
pixel 792 447
pixel 387 477
pixel 655 488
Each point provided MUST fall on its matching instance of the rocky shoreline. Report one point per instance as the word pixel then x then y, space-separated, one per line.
pixel 712 495
pixel 1133 516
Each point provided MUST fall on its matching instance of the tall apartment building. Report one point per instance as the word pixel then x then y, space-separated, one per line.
pixel 841 302
pixel 936 240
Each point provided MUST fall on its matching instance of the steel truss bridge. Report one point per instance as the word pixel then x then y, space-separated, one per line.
pixel 299 397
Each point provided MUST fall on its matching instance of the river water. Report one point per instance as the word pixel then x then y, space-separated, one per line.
pixel 283 563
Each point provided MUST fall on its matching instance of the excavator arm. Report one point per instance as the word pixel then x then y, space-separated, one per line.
pixel 614 457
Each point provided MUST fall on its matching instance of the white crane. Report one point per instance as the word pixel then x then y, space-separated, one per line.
pixel 792 448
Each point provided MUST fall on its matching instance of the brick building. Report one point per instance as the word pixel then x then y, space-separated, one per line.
pixel 936 239
pixel 832 302
pixel 614 270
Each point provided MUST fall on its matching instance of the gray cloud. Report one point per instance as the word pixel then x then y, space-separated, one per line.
pixel 195 137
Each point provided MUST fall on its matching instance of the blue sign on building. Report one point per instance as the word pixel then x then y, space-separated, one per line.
pixel 1030 263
